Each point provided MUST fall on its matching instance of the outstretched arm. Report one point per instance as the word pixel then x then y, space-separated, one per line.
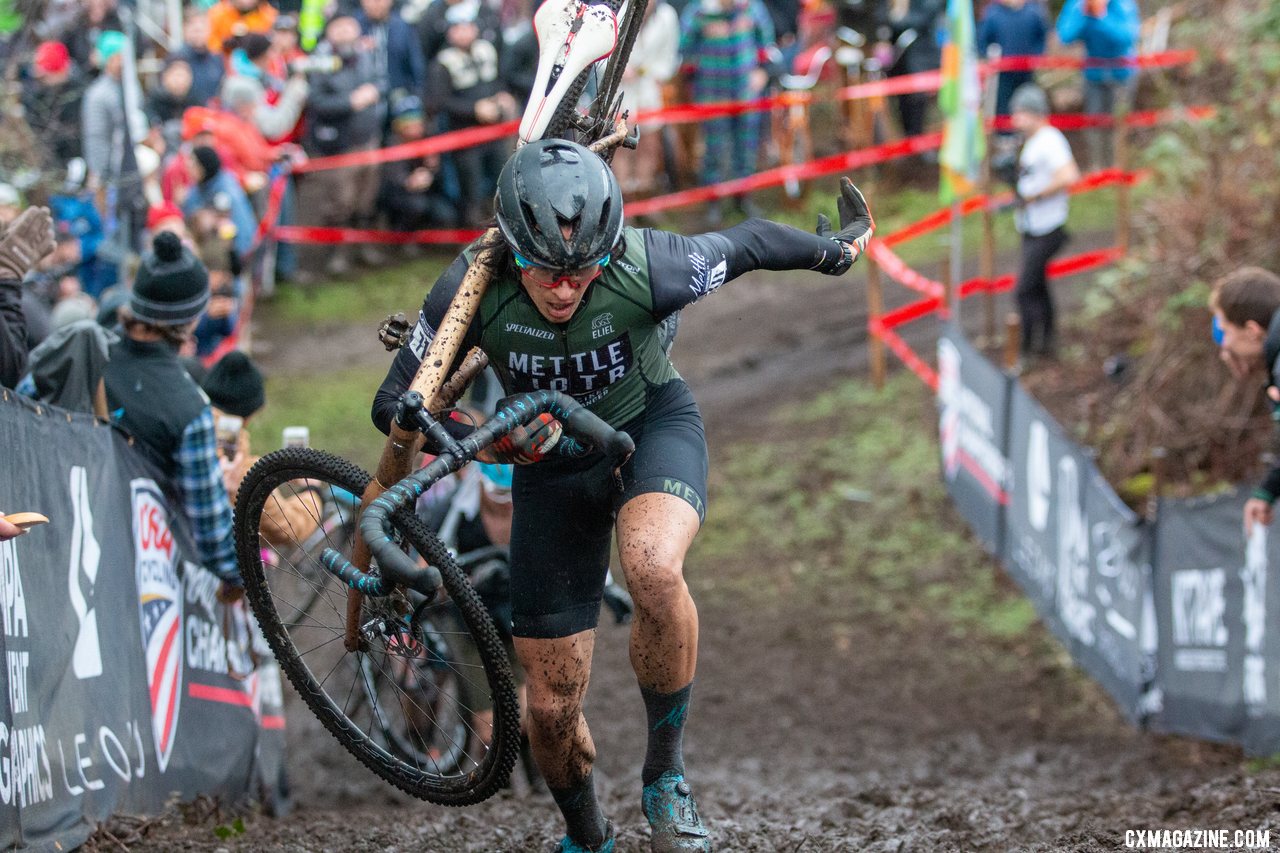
pixel 685 269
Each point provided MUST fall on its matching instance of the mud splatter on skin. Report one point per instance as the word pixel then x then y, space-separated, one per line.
pixel 654 533
pixel 557 674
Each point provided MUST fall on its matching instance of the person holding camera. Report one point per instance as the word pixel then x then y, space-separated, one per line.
pixel 465 87
pixel 236 393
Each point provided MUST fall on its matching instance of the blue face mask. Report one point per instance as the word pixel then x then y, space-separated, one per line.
pixel 1217 331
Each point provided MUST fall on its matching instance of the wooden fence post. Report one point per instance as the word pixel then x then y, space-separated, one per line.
pixel 1012 340
pixel 875 310
pixel 987 251
pixel 1123 189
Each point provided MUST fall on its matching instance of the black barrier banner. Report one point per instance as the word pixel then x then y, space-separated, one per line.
pixel 1078 552
pixel 972 397
pixel 1219 618
pixel 124 679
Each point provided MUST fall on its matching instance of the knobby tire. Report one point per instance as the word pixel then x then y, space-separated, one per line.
pixel 439 784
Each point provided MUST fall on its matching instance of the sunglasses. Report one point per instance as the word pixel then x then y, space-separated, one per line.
pixel 1217 331
pixel 551 278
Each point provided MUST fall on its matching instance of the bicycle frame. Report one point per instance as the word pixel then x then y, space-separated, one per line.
pixel 375 527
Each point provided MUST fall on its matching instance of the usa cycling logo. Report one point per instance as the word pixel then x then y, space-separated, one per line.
pixel 159 612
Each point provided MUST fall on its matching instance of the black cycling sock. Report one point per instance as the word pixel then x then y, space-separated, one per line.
pixel 667 713
pixel 584 822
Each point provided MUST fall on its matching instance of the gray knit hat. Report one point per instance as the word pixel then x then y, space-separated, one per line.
pixel 1029 98
pixel 172 286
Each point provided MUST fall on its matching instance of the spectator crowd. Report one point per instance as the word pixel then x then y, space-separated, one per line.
pixel 135 136
pixel 127 138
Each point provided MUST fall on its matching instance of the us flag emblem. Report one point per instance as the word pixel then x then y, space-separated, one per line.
pixel 159 612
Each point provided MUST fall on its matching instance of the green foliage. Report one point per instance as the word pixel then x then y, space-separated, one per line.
pixel 369 297
pixel 846 506
pixel 226 831
pixel 1263 764
pixel 335 409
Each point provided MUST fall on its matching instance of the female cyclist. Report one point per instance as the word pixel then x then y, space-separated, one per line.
pixel 575 306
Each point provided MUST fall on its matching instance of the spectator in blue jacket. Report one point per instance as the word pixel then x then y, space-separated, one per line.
pixel 1018 28
pixel 1109 30
pixel 217 190
pixel 397 52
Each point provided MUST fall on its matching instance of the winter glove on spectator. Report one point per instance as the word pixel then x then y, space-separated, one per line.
pixel 27 239
pixel 527 444
pixel 856 228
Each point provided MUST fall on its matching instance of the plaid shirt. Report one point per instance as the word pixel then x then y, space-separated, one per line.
pixel 199 478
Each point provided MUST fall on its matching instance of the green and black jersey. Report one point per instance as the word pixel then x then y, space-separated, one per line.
pixel 610 352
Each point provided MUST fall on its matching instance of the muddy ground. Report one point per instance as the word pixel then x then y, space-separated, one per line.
pixel 881 739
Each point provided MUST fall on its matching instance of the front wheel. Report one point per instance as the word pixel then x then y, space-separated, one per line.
pixel 399 702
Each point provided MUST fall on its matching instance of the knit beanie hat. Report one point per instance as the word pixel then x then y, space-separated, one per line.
pixel 1029 98
pixel 234 385
pixel 172 286
pixel 210 162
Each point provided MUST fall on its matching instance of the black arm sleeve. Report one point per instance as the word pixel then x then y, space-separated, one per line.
pixel 1270 488
pixel 13 334
pixel 405 365
pixel 685 269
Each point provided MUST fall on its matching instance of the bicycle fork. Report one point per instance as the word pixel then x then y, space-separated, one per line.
pixel 395 464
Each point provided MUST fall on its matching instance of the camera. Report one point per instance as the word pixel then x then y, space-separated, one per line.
pixel 321 63
pixel 296 436
pixel 227 430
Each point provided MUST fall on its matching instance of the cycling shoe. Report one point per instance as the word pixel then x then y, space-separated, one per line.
pixel 668 804
pixel 568 845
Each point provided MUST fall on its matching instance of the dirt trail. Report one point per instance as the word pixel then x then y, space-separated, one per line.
pixel 880 742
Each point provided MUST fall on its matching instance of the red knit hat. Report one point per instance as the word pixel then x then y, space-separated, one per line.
pixel 52 57
pixel 160 212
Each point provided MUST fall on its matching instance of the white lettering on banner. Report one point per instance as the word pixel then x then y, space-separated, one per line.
pixel 81 775
pixel 1074 608
pixel 25 775
pixel 1111 557
pixel 967 427
pixel 201 588
pixel 1040 570
pixel 13 602
pixel 16 669
pixel 1199 623
pixel 206 647
pixel 1254 576
pixel 1039 477
pixel 86 661
pixel 159 611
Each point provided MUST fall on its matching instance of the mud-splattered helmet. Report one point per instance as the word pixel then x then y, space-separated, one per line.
pixel 552 182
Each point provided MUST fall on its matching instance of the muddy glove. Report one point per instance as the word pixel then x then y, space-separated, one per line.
pixel 856 228
pixel 27 239
pixel 527 444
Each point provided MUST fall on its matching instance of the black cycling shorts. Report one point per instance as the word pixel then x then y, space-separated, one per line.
pixel 564 511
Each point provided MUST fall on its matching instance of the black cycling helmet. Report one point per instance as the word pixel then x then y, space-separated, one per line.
pixel 549 182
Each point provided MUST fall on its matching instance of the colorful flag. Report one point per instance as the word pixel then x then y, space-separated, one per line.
pixel 963 140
